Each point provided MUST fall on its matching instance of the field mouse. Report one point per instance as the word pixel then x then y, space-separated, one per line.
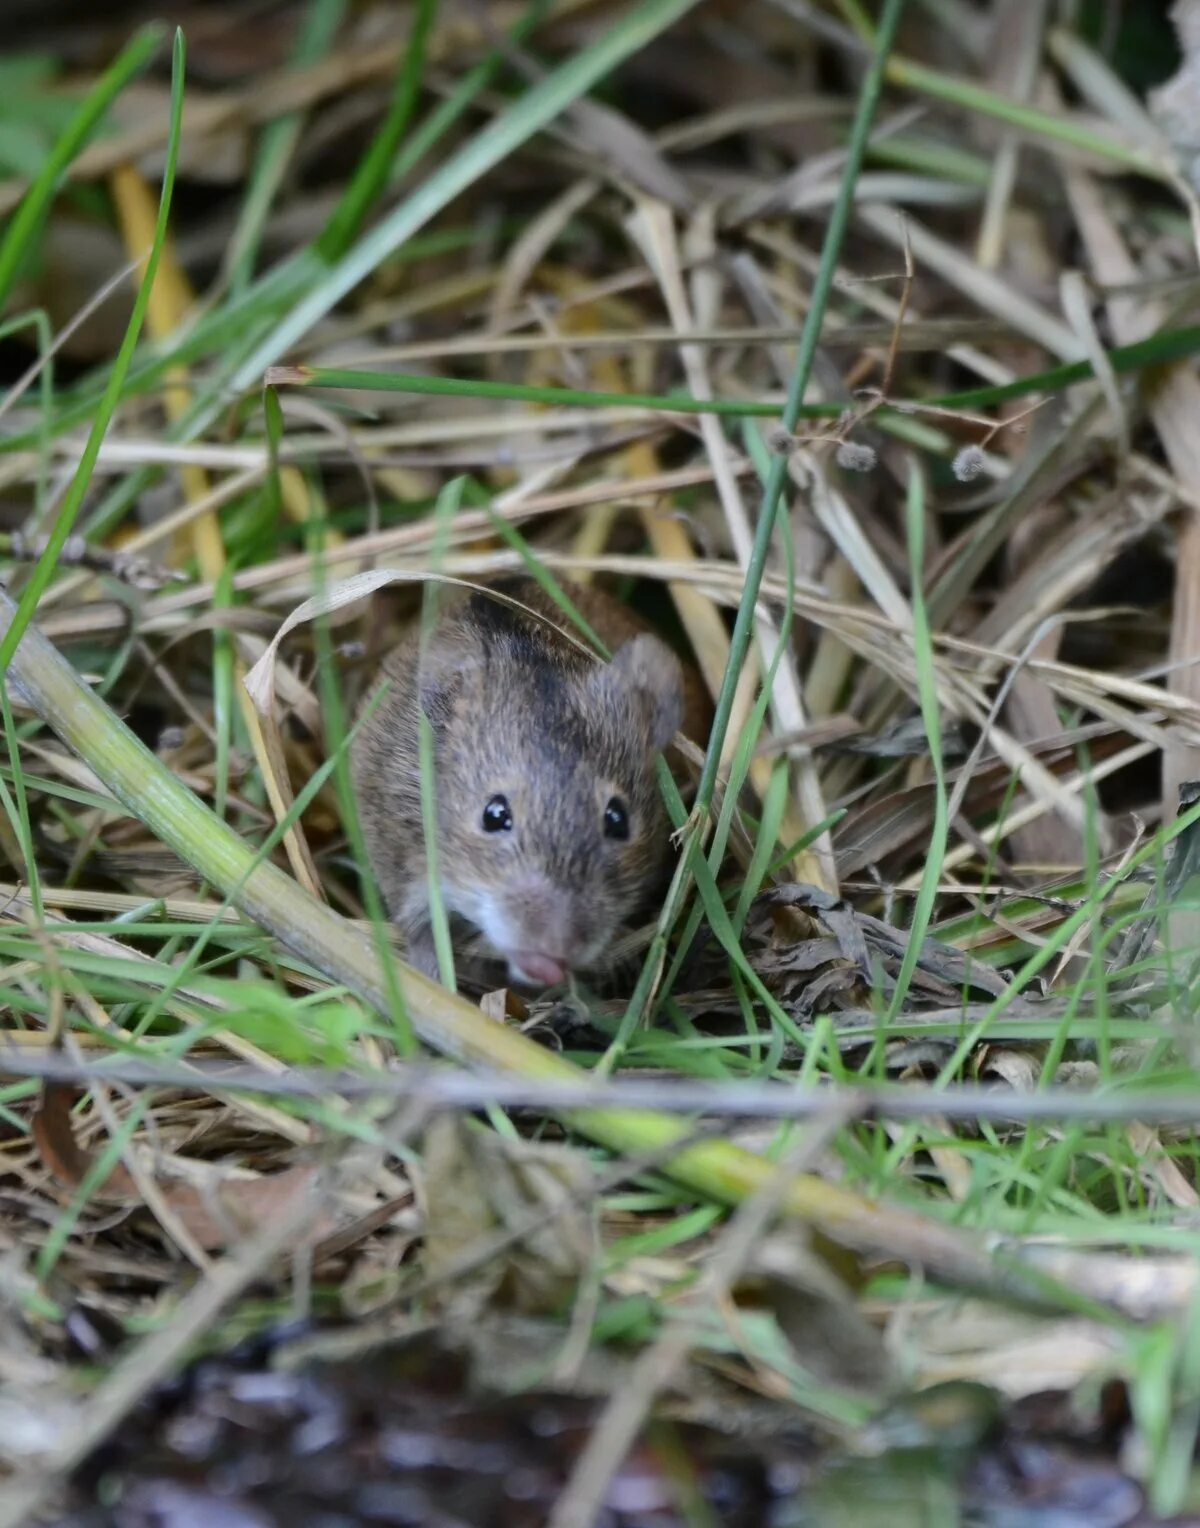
pixel 551 827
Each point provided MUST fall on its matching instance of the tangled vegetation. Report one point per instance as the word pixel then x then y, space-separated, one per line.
pixel 854 346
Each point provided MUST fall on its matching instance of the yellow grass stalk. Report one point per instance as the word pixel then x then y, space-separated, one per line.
pixel 170 300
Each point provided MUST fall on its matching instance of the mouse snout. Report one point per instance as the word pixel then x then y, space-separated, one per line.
pixel 539 936
pixel 541 915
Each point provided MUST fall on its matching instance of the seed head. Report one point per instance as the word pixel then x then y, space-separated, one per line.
pixel 968 464
pixel 854 457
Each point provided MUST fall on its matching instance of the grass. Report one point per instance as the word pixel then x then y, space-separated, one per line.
pixel 982 680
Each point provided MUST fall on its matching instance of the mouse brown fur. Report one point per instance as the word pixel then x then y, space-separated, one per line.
pixel 552 832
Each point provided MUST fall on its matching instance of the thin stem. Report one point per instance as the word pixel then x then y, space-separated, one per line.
pixel 810 335
pixel 1157 350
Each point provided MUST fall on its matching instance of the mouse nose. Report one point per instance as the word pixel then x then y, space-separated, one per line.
pixel 543 913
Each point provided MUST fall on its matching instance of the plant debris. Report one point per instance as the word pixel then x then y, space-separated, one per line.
pixel 328 301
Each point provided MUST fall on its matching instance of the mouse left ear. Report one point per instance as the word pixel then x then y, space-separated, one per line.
pixel 447 671
pixel 649 671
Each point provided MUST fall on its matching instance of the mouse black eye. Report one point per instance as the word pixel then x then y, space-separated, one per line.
pixel 616 818
pixel 497 815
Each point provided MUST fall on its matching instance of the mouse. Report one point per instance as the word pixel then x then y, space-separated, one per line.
pixel 552 833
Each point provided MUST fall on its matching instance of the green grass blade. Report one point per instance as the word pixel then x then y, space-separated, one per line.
pixel 23 229
pixel 16 807
pixel 44 569
pixel 1158 350
pixel 538 107
pixel 448 111
pixel 275 147
pixel 513 392
pixel 739 641
pixel 371 174
pixel 448 502
pixel 1027 119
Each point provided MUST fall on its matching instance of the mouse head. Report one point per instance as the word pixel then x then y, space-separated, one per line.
pixel 552 830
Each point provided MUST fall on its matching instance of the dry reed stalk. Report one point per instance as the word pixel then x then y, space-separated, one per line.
pixel 170 301
pixel 653 228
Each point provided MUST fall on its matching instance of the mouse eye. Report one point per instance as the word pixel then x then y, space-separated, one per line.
pixel 497 815
pixel 616 818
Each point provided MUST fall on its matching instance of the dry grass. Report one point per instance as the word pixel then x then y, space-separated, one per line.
pixel 952 851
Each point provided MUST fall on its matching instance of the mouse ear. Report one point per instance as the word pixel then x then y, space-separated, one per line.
pixel 648 669
pixel 447 667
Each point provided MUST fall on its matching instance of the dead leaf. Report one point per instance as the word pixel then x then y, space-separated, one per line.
pixel 215 1214
pixel 68 1162
pixel 1012 1351
pixel 1146 1288
pixel 838 917
pixel 818 1315
pixel 1164 1170
pixel 230 1209
pixel 1017 1068
pixel 477 1188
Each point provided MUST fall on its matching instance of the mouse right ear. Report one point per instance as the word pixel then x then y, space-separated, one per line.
pixel 647 667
